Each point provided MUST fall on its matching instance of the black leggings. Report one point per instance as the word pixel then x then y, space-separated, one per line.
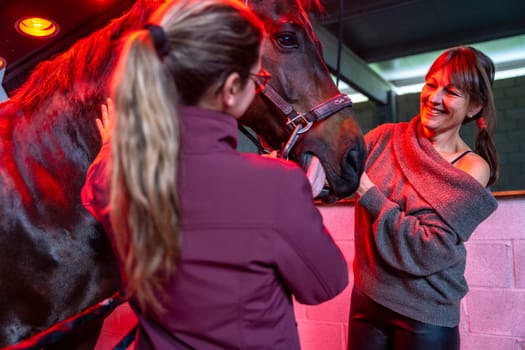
pixel 374 327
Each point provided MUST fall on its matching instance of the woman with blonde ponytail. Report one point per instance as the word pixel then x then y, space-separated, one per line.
pixel 208 238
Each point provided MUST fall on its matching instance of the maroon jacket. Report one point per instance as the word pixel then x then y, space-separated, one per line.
pixel 251 237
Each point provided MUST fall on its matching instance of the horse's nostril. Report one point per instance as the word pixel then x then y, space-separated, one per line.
pixel 355 159
pixel 352 158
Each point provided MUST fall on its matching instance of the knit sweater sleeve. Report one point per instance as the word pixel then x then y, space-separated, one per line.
pixel 417 243
pixel 406 231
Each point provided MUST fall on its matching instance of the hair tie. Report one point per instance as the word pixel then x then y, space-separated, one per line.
pixel 160 39
pixel 481 123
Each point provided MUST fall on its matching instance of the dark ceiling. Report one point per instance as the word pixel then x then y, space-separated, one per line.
pixel 378 30
pixel 375 30
pixel 76 19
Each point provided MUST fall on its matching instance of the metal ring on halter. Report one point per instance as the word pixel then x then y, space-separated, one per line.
pixel 294 136
pixel 300 120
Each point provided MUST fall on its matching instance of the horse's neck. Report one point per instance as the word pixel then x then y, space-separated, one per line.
pixel 50 150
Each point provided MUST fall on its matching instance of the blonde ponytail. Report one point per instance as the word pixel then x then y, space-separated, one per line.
pixel 175 62
pixel 145 150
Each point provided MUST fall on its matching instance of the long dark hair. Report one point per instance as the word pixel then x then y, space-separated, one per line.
pixel 473 73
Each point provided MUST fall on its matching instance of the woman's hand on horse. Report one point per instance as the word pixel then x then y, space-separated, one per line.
pixel 103 123
pixel 364 184
pixel 272 154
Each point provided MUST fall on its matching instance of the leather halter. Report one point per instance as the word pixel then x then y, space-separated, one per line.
pixel 300 123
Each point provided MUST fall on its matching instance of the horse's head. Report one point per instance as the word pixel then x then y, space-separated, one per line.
pixel 302 83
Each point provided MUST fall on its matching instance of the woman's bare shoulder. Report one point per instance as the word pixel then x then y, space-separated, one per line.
pixel 477 167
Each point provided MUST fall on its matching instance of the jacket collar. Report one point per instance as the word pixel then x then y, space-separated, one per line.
pixel 205 130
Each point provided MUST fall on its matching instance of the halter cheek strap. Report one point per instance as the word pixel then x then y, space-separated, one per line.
pixel 300 123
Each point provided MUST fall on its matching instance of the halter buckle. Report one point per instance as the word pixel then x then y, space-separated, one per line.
pixel 300 120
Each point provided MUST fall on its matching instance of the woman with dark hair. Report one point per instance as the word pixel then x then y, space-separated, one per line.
pixel 422 195
pixel 212 243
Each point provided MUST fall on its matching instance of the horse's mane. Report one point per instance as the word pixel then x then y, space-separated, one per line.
pixel 82 71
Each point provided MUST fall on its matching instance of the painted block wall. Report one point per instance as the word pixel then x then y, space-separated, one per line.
pixel 492 313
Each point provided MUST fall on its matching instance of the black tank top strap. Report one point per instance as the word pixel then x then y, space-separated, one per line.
pixel 460 156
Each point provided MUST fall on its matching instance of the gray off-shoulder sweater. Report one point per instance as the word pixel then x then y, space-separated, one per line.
pixel 411 228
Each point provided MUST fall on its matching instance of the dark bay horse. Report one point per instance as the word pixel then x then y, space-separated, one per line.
pixel 305 93
pixel 55 258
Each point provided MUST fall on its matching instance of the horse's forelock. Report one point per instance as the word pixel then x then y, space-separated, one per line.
pixel 312 5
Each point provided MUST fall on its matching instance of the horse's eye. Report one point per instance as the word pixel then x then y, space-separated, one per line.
pixel 286 40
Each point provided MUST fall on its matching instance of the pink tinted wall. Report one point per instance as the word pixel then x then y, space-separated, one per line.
pixel 492 313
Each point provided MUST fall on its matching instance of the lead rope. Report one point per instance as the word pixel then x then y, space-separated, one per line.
pixel 52 336
pixel 125 342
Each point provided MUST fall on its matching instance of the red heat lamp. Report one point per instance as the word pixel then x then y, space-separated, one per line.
pixel 37 27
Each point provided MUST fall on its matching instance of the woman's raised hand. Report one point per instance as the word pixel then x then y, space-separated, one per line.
pixel 104 123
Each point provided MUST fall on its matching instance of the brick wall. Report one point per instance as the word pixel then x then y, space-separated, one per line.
pixel 492 313
pixel 509 135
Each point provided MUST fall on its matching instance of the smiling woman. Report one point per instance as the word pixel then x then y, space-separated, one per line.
pixel 420 199
pixel 508 132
